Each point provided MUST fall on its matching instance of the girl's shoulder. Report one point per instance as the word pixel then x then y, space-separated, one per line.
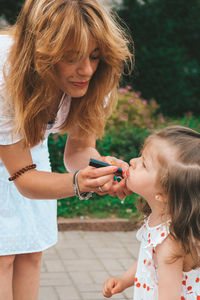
pixel 153 236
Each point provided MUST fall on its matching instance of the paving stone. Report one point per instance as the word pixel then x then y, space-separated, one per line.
pixel 90 287
pixel 126 262
pixel 48 293
pixel 112 264
pixel 83 277
pixel 99 276
pixel 55 279
pixel 67 253
pixel 83 264
pixel 77 266
pixel 68 293
pixel 54 265
pixel 111 252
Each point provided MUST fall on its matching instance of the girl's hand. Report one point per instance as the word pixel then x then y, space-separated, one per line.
pixel 113 286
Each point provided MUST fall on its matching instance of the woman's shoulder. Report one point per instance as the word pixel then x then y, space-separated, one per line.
pixel 6 42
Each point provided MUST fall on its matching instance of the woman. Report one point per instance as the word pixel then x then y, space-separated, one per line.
pixel 60 64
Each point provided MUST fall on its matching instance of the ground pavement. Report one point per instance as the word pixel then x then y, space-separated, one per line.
pixel 77 266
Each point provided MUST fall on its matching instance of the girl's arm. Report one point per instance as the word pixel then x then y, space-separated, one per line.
pixel 46 185
pixel 115 285
pixel 170 269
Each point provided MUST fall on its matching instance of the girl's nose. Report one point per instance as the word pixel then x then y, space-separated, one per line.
pixel 133 163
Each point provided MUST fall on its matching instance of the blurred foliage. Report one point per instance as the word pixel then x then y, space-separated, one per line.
pixel 167 42
pixel 166 35
pixel 98 207
pixel 9 9
pixel 124 135
pixel 130 123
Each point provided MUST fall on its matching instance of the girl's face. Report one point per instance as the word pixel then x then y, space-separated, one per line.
pixel 74 76
pixel 142 176
pixel 144 169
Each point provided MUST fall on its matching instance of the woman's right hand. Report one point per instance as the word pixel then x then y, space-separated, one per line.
pixel 98 180
pixel 113 286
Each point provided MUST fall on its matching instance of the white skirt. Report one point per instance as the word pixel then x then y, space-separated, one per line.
pixel 26 225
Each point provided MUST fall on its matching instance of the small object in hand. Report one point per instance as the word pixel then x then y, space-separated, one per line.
pixel 98 164
pixel 116 178
pixel 100 189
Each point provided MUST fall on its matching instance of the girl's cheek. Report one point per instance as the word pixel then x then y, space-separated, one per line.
pixel 129 183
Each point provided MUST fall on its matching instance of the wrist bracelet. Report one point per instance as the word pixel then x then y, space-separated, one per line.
pixel 21 171
pixel 81 196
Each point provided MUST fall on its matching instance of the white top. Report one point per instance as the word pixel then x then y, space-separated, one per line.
pixel 26 225
pixel 146 278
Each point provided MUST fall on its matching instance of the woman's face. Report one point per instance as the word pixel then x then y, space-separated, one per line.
pixel 74 76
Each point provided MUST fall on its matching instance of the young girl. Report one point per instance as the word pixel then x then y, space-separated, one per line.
pixel 167 176
pixel 59 64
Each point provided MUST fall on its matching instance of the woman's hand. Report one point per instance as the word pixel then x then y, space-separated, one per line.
pixel 118 188
pixel 113 286
pixel 97 180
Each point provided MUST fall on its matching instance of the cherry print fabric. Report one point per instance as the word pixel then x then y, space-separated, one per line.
pixel 146 279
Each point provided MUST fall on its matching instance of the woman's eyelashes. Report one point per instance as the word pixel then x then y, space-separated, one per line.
pixel 75 57
pixel 93 57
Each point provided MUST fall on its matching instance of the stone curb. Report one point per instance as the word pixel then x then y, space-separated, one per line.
pixel 97 224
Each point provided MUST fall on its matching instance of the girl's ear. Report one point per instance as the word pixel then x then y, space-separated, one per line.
pixel 161 198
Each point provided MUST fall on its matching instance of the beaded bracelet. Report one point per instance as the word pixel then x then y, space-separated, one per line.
pixel 22 171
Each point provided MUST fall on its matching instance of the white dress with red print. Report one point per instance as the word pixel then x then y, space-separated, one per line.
pixel 146 278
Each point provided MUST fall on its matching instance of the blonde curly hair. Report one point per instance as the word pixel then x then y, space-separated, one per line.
pixel 42 34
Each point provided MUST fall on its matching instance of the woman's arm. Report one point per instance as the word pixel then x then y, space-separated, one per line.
pixel 77 155
pixel 46 185
pixel 170 269
pixel 79 151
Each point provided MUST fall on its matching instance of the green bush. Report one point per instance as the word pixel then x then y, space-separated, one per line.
pixel 167 39
pixel 129 125
pixel 97 206
pixel 125 132
pixel 123 138
pixel 10 9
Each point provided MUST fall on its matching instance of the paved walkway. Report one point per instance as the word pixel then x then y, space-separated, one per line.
pixel 75 269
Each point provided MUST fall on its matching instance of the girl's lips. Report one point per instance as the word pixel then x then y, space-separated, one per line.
pixel 81 84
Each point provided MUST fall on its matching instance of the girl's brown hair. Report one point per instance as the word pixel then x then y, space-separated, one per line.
pixel 179 179
pixel 42 34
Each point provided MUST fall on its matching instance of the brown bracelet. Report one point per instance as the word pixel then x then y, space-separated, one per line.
pixel 22 171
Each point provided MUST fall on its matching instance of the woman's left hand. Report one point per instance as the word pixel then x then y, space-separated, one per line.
pixel 118 187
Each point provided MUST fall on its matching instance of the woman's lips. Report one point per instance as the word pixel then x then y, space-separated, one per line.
pixel 81 84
